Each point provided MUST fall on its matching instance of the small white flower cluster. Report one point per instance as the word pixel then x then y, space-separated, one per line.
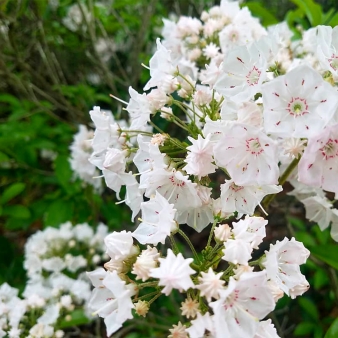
pixel 55 260
pixel 80 151
pixel 248 110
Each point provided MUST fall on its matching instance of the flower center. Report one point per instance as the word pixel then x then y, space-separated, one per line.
pixel 330 150
pixel 297 107
pixel 176 182
pixel 333 62
pixel 253 146
pixel 231 300
pixel 235 187
pixel 253 76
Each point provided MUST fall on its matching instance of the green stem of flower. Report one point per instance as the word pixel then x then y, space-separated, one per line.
pixel 190 244
pixel 154 298
pixel 147 285
pixel 211 232
pixel 174 245
pixel 282 180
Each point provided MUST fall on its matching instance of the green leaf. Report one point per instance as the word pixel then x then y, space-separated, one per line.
pixel 261 12
pixel 303 329
pixel 326 253
pixel 63 171
pixel 58 212
pixel 309 307
pixel 17 211
pixel 12 191
pixel 332 332
pixel 78 318
pixel 333 21
pixel 312 10
pixel 320 279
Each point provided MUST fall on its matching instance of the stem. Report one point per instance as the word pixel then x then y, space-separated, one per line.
pixel 146 285
pixel 189 243
pixel 173 244
pixel 282 180
pixel 154 298
pixel 211 232
pixel 185 79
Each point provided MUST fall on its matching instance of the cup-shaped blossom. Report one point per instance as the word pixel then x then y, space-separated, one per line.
pixel 318 166
pixel 119 244
pixel 282 263
pixel 249 156
pixel 241 305
pixel 244 72
pixel 157 221
pixel 174 272
pixel 298 104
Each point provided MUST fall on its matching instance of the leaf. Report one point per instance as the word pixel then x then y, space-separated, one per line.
pixel 309 307
pixel 12 191
pixel 17 211
pixel 333 21
pixel 332 332
pixel 303 329
pixel 63 171
pixel 261 12
pixel 58 212
pixel 326 253
pixel 312 10
pixel 78 318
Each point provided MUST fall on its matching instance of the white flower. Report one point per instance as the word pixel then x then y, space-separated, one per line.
pixel 266 330
pixel 119 244
pixel 178 331
pixel 174 273
pixel 146 261
pixel 241 305
pixel 318 209
pixel 210 284
pixel 249 156
pixel 318 166
pixel 200 325
pixel 157 221
pixel 199 159
pixel 244 70
pixel 282 263
pixel 112 302
pixel 298 104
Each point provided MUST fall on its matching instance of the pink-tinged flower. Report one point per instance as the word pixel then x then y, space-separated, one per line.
pixel 282 263
pixel 298 104
pixel 174 273
pixel 319 165
pixel 249 156
pixel 112 301
pixel 251 230
pixel 146 261
pixel 241 305
pixel 210 284
pixel 178 331
pixel 244 70
pixel 173 186
pixel 244 199
pixel 199 159
pixel 157 221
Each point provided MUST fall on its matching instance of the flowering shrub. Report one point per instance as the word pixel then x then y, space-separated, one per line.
pixel 57 292
pixel 246 110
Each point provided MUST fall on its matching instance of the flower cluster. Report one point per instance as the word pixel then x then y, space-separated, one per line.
pixel 56 286
pixel 250 110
